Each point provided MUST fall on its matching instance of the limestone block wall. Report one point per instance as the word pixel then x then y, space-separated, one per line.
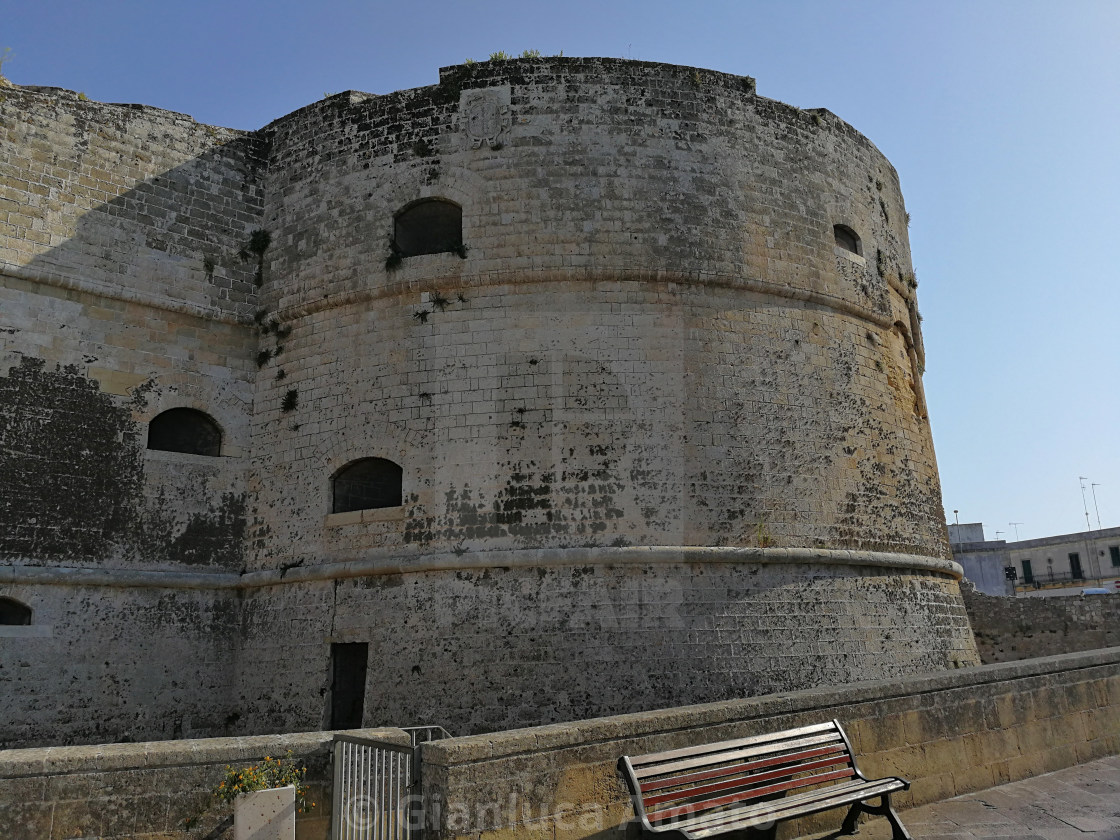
pixel 1010 628
pixel 121 295
pixel 949 734
pixel 481 649
pixel 652 339
pixel 147 790
pixel 101 664
pixel 127 199
pixel 121 288
pixel 651 397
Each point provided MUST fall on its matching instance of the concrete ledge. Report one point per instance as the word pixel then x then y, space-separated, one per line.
pixel 38 761
pixel 377 563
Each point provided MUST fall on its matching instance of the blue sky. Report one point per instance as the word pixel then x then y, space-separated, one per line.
pixel 1001 116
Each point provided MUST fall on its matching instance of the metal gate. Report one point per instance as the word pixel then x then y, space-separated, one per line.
pixel 373 790
pixel 377 786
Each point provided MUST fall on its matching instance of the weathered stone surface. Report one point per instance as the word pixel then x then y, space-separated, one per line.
pixel 663 439
pixel 941 732
pixel 1009 628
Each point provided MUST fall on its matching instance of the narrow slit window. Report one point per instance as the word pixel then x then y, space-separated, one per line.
pixel 366 484
pixel 431 226
pixel 185 430
pixel 13 612
pixel 847 239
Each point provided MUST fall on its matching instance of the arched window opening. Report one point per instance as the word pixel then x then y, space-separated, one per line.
pixel 13 612
pixel 185 430
pixel 847 239
pixel 365 484
pixel 430 226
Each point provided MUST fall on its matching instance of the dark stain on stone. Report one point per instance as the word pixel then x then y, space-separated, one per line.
pixel 212 538
pixel 71 465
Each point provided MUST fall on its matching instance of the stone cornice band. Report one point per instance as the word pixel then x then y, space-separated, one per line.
pixel 375 566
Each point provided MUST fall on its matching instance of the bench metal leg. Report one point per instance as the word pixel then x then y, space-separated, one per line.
pixel 851 821
pixel 898 830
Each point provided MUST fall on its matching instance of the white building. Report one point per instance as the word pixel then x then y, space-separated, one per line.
pixel 1070 561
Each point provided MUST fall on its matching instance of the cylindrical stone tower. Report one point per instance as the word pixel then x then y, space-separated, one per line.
pixel 644 349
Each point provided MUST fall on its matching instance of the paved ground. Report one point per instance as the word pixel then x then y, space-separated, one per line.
pixel 1080 802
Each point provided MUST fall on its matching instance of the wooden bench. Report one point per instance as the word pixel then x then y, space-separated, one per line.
pixel 754 783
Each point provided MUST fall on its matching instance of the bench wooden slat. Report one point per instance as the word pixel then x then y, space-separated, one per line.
pixel 719 802
pixel 812 802
pixel 735 754
pixel 714 789
pixel 721 746
pixel 731 769
pixel 748 782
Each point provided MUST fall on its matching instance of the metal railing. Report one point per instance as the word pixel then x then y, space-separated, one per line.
pixel 374 789
pixel 423 734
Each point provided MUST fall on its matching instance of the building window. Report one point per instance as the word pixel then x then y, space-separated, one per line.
pixel 1075 570
pixel 1114 552
pixel 430 226
pixel 1028 574
pixel 365 484
pixel 185 430
pixel 847 239
pixel 13 612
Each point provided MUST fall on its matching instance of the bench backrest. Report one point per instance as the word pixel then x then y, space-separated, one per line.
pixel 674 785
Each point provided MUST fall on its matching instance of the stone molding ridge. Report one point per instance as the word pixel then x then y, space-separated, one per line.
pixel 291 308
pixel 105 290
pixel 381 563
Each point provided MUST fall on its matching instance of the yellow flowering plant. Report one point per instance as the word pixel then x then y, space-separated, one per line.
pixel 272 773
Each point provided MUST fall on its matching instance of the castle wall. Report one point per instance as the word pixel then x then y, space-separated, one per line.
pixel 101 664
pixel 652 339
pixel 484 649
pixel 1012 627
pixel 651 342
pixel 120 293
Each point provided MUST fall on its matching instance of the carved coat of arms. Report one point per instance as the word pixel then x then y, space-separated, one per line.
pixel 484 116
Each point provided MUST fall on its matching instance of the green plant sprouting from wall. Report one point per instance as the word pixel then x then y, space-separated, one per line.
pixel 395 258
pixel 290 401
pixel 259 242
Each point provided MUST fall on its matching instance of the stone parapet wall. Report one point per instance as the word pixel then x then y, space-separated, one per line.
pixel 1008 628
pixel 948 734
pixel 145 791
